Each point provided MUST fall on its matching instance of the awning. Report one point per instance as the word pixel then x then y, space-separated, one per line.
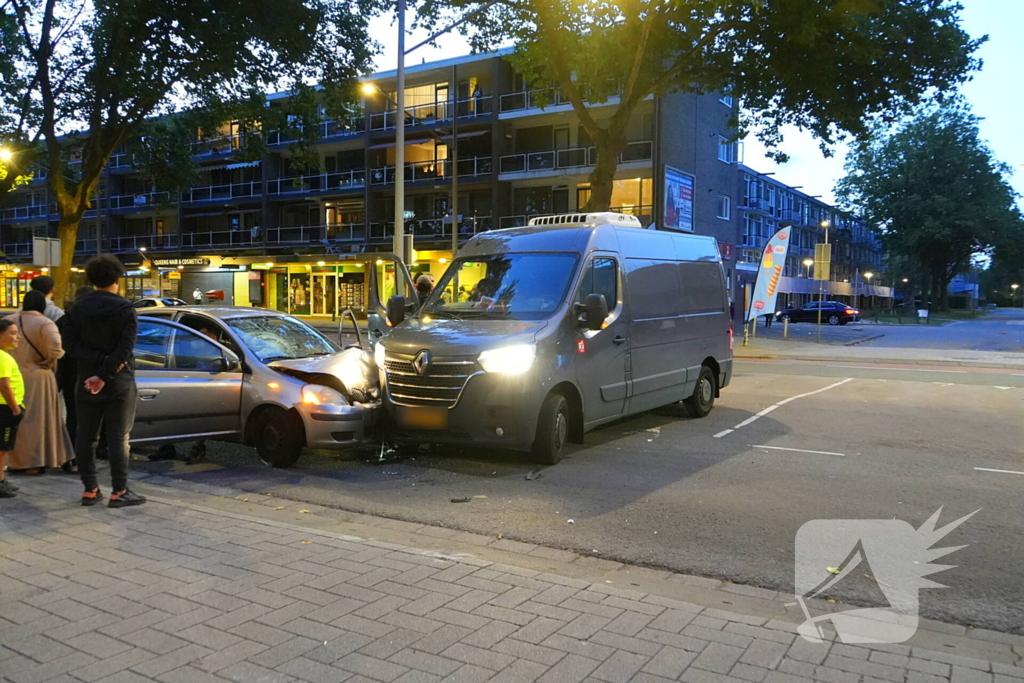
pixel 440 138
pixel 229 167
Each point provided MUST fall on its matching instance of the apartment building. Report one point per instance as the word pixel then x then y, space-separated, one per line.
pixel 276 232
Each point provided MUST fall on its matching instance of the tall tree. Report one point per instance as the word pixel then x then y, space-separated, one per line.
pixel 822 65
pixel 934 191
pixel 82 77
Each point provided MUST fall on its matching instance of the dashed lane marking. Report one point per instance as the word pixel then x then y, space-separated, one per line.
pixel 781 403
pixel 797 450
pixel 986 469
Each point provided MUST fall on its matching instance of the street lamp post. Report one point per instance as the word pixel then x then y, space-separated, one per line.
pixel 821 283
pixel 399 238
pixel 1013 295
pixel 808 262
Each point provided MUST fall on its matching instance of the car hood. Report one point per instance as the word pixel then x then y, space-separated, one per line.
pixel 352 372
pixel 459 337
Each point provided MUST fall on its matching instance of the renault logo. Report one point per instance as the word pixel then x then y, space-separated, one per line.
pixel 421 363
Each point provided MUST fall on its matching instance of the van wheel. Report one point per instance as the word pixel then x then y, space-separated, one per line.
pixel 703 399
pixel 833 320
pixel 278 438
pixel 552 430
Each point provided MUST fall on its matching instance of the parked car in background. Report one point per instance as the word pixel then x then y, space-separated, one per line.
pixel 158 302
pixel 249 375
pixel 832 312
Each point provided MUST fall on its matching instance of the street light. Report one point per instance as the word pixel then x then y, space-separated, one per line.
pixel 808 262
pixel 1014 294
pixel 867 276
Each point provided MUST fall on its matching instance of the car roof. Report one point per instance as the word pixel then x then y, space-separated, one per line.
pixel 226 312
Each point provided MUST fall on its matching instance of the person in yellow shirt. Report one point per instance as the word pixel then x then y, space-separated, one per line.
pixel 12 390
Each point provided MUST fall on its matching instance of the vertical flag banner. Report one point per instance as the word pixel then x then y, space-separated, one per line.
pixel 766 287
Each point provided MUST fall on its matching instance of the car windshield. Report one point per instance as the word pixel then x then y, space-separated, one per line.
pixel 505 286
pixel 276 338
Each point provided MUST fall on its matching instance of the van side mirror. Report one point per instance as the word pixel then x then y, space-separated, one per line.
pixel 396 310
pixel 593 311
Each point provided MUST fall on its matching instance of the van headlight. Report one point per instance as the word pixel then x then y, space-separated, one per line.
pixel 509 360
pixel 378 355
pixel 319 395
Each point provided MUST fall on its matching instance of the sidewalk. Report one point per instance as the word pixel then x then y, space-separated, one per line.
pixel 761 348
pixel 195 588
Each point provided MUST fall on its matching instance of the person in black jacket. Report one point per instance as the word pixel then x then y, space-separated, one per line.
pixel 100 335
pixel 67 380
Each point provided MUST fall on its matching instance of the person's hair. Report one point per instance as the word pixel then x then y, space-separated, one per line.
pixel 83 290
pixel 34 301
pixel 42 283
pixel 103 270
pixel 5 324
pixel 424 285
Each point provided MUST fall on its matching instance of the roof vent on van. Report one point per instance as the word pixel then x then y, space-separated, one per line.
pixel 584 219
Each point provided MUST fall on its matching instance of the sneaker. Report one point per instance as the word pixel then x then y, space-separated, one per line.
pixel 6 492
pixel 9 485
pixel 90 498
pixel 124 499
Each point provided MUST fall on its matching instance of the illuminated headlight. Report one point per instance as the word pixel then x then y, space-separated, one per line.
pixel 318 395
pixel 378 354
pixel 509 360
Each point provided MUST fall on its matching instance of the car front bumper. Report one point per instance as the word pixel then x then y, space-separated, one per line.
pixel 338 426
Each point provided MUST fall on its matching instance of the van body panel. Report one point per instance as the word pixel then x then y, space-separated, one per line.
pixel 460 337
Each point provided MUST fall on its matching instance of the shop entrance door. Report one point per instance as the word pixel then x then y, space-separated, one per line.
pixel 324 297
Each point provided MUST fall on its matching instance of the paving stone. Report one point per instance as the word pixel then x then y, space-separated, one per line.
pixel 695 675
pixel 424 661
pixel 188 674
pixel 962 674
pixel 584 626
pixel 672 621
pixel 246 672
pixel 534 653
pixel 495 661
pixel 366 627
pixel 806 651
pixel 749 673
pixel 620 667
pixel 921 677
pixel 866 668
pixel 415 676
pixel 470 601
pixel 112 665
pixel 469 674
pixel 172 660
pixel 712 623
pixel 42 649
pixel 764 654
pixel 239 652
pixel 490 611
pixel 620 642
pixel 571 669
pixel 723 637
pixel 377 669
pixel 673 639
pixel 670 662
pixel 285 652
pixel 98 645
pixel 718 658
pixel 829 675
pixel 492 633
pixel 761 633
pixel 334 650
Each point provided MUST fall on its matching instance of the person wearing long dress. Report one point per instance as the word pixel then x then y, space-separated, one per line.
pixel 43 440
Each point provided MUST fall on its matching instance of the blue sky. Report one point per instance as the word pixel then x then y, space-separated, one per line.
pixel 995 93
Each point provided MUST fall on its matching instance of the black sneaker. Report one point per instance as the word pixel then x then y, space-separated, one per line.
pixel 6 491
pixel 90 498
pixel 121 500
pixel 9 485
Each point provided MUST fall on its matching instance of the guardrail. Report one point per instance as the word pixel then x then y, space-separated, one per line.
pixel 330 128
pixel 323 235
pixel 122 243
pixel 341 180
pixel 574 157
pixel 17 249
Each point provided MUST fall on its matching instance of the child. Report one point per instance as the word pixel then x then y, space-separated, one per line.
pixel 12 390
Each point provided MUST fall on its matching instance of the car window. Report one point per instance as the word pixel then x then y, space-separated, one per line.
pixel 811 306
pixel 145 303
pixel 159 313
pixel 210 329
pixel 600 277
pixel 192 351
pixel 151 345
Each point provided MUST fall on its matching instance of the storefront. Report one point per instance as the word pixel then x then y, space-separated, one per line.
pixel 15 284
pixel 317 289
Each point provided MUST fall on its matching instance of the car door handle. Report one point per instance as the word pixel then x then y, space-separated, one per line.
pixel 148 394
pixel 619 340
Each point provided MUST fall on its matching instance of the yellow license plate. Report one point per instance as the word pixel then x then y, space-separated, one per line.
pixel 424 418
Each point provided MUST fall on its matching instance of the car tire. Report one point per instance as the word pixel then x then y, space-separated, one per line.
pixel 833 320
pixel 278 437
pixel 786 319
pixel 703 398
pixel 552 430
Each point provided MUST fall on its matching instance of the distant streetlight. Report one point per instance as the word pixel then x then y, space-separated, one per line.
pixel 1014 294
pixel 905 280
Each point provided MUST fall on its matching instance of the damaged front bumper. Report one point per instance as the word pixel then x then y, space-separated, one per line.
pixel 339 426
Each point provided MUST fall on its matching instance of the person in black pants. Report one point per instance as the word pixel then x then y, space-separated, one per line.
pixel 100 335
pixel 67 380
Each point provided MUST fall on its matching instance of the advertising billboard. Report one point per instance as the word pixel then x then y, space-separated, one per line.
pixel 678 213
pixel 773 262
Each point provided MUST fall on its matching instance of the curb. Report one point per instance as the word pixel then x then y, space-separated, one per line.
pixel 865 339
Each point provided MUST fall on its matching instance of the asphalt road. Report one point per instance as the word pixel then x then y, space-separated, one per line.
pixel 999 330
pixel 664 490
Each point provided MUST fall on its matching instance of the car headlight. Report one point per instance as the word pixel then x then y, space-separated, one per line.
pixel 509 360
pixel 318 395
pixel 378 354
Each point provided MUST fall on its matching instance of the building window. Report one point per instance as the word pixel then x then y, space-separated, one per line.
pixel 723 207
pixel 727 150
pixel 727 99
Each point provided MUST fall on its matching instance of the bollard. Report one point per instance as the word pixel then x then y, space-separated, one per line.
pixel 745 340
pixel 753 327
pixel 785 328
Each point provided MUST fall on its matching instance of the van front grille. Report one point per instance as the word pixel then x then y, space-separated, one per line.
pixel 440 386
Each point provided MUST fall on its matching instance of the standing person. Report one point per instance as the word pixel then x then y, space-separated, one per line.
pixel 100 333
pixel 197 296
pixel 67 380
pixel 12 390
pixel 44 440
pixel 424 286
pixel 44 285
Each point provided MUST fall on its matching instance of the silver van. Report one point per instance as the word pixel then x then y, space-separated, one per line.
pixel 536 335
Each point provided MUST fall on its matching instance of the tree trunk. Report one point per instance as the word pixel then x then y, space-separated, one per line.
pixel 602 178
pixel 67 231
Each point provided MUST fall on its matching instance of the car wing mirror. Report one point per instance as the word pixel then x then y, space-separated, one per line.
pixel 229 362
pixel 396 310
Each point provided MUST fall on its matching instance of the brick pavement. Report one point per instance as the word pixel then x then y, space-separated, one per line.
pixel 195 589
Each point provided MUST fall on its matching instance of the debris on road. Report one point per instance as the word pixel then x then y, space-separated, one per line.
pixel 536 474
pixel 572 521
pixel 279 508
pixel 832 570
pixel 461 500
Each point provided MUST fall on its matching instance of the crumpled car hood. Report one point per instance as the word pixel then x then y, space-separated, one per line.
pixel 352 372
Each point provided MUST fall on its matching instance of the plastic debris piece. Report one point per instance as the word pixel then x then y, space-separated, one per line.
pixel 832 570
pixel 536 474
pixel 279 508
pixel 479 496
pixel 461 500
pixel 307 542
pixel 305 512
pixel 571 521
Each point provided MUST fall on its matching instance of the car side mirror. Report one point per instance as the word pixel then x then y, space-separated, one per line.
pixel 593 311
pixel 396 310
pixel 227 363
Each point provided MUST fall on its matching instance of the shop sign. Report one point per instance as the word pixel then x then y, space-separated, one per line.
pixel 160 263
pixel 726 251
pixel 174 275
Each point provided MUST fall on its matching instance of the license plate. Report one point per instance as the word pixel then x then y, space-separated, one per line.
pixel 424 418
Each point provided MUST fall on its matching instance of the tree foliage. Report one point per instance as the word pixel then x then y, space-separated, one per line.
pixel 934 191
pixel 823 65
pixel 81 78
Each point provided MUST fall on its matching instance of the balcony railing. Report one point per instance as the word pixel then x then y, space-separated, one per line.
pixel 759 205
pixel 342 180
pixel 252 188
pixel 128 243
pixel 87 245
pixel 325 130
pixel 530 99
pixel 325 235
pixel 218 145
pixel 137 201
pixel 574 157
pixel 433 112
pixel 432 228
pixel 644 213
pixel 433 170
pixel 18 249
pixel 21 212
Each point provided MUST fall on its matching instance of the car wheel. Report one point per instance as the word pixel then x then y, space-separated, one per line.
pixel 703 398
pixel 786 319
pixel 833 320
pixel 552 430
pixel 278 437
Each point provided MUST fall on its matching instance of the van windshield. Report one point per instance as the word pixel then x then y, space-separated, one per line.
pixel 505 286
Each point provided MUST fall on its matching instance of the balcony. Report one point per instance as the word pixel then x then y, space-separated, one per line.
pixel 328 236
pixel 572 158
pixel 128 243
pixel 792 216
pixel 427 114
pixel 17 250
pixel 433 170
pixel 206 193
pixel 758 205
pixel 433 229
pixel 322 182
pixel 137 201
pixel 329 129
pixel 214 146
pixel 644 213
pixel 16 213
pixel 530 99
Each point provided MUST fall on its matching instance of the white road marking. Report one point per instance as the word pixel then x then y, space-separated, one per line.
pixel 1003 388
pixel 875 367
pixel 798 450
pixel 986 469
pixel 781 403
pixel 943 384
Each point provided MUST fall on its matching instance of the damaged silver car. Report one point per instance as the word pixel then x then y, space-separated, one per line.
pixel 259 377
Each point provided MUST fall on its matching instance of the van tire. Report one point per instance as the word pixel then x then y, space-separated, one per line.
pixel 552 430
pixel 703 398
pixel 278 437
